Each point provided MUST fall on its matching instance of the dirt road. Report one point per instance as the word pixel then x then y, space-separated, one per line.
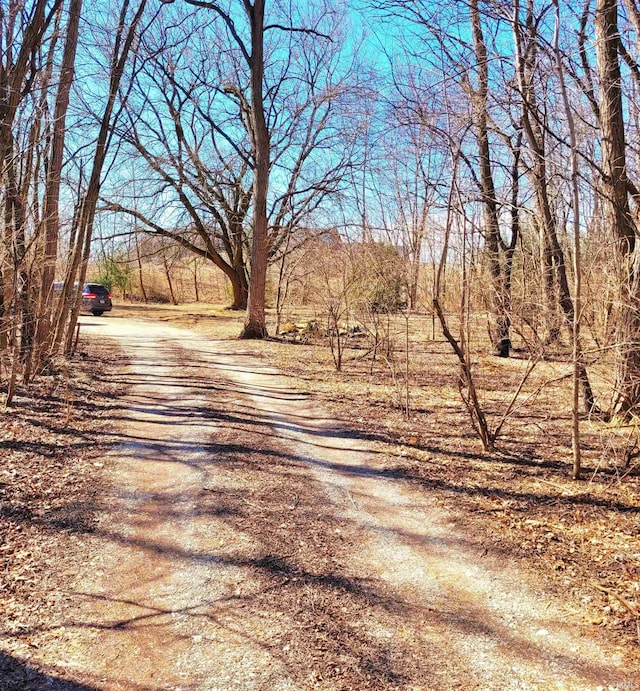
pixel 250 544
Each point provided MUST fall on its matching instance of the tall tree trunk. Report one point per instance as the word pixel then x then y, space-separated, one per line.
pixel 616 205
pixel 255 324
pixel 500 319
pixel 240 290
pixel 418 231
pixel 31 23
pixel 577 267
pixel 553 261
pixel 21 314
pixel 87 209
pixel 510 249
pixel 238 278
pixel 553 270
pixel 54 173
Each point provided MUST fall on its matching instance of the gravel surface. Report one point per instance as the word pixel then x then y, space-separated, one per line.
pixel 249 543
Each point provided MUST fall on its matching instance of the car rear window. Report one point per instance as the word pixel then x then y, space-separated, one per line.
pixel 96 288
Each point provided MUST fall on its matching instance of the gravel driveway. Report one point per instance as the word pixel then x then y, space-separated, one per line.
pixel 249 543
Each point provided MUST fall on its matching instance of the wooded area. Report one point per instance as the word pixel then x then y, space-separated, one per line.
pixel 472 161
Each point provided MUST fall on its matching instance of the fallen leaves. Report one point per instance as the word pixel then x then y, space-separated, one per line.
pixel 48 487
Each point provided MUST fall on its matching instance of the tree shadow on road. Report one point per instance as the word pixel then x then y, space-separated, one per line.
pixel 18 675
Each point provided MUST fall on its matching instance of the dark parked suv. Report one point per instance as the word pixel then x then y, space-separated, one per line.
pixel 96 299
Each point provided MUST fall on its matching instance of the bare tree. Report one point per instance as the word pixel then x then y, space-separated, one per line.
pixel 500 328
pixel 191 121
pixel 250 42
pixel 616 188
pixel 578 355
pixel 198 189
pixel 23 31
pixel 555 278
pixel 464 67
pixel 252 51
pixel 129 21
pixel 51 211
